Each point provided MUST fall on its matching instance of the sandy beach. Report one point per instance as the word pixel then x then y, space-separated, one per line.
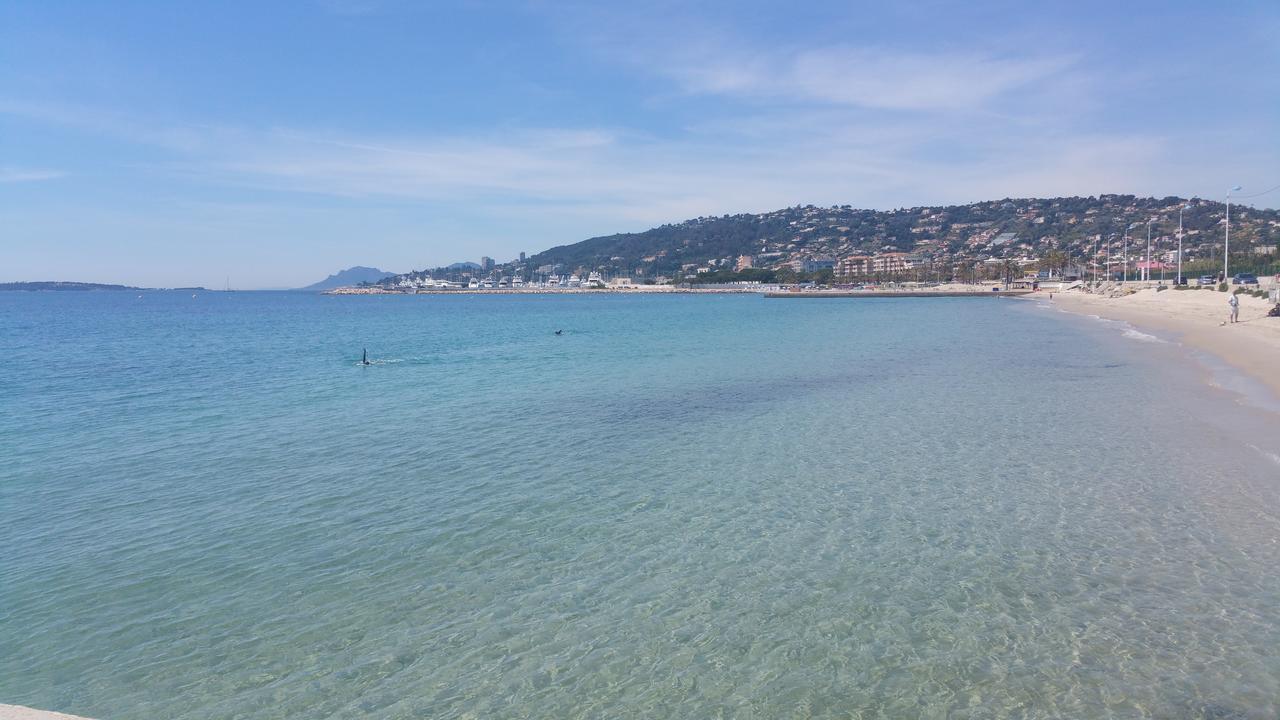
pixel 1196 318
pixel 18 712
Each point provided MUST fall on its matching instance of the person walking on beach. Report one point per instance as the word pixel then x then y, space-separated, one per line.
pixel 1234 302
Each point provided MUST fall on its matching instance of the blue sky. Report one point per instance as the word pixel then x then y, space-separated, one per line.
pixel 181 143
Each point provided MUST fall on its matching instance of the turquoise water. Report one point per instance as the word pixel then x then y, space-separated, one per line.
pixel 685 507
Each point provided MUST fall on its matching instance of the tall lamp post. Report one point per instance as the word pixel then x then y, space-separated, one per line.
pixel 1106 259
pixel 1125 258
pixel 1124 255
pixel 1146 273
pixel 1096 252
pixel 1178 280
pixel 1226 240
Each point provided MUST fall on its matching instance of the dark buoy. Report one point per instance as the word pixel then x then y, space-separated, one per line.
pixel 559 331
pixel 364 359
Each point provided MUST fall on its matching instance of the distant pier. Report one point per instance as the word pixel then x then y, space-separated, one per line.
pixel 896 293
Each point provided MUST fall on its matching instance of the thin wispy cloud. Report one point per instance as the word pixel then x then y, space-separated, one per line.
pixel 592 172
pixel 119 124
pixel 19 174
pixel 613 176
pixel 867 77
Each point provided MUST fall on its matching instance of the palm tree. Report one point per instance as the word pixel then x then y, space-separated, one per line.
pixel 1055 260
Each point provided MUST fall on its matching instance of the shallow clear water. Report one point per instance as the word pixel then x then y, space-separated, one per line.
pixel 684 506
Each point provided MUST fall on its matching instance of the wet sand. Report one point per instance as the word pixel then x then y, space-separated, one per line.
pixel 1198 319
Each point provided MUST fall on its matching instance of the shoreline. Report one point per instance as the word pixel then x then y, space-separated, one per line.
pixel 768 290
pixel 1195 318
pixel 896 294
pixel 645 290
pixel 21 712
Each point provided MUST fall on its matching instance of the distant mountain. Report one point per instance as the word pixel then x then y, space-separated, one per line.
pixel 350 276
pixel 463 266
pixel 62 286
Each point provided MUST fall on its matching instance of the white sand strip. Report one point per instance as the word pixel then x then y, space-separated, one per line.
pixel 17 712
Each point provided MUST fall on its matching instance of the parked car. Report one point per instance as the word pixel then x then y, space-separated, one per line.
pixel 1206 280
pixel 1181 280
pixel 1245 279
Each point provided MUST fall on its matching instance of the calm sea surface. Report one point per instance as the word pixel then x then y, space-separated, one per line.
pixel 684 507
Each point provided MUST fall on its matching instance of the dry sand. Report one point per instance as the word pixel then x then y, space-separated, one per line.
pixel 17 712
pixel 1196 318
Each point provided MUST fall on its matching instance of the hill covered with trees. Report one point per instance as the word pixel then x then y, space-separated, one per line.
pixel 1083 232
pixel 1078 226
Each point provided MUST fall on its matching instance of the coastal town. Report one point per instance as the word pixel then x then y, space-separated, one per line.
pixel 1108 237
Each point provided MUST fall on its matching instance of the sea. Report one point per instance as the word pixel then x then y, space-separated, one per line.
pixel 626 506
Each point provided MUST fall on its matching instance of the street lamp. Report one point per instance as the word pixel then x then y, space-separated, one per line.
pixel 1226 241
pixel 1178 279
pixel 1096 252
pixel 1125 258
pixel 1147 270
pixel 1106 260
pixel 1124 255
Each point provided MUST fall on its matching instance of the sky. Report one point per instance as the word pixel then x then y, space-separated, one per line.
pixel 270 144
